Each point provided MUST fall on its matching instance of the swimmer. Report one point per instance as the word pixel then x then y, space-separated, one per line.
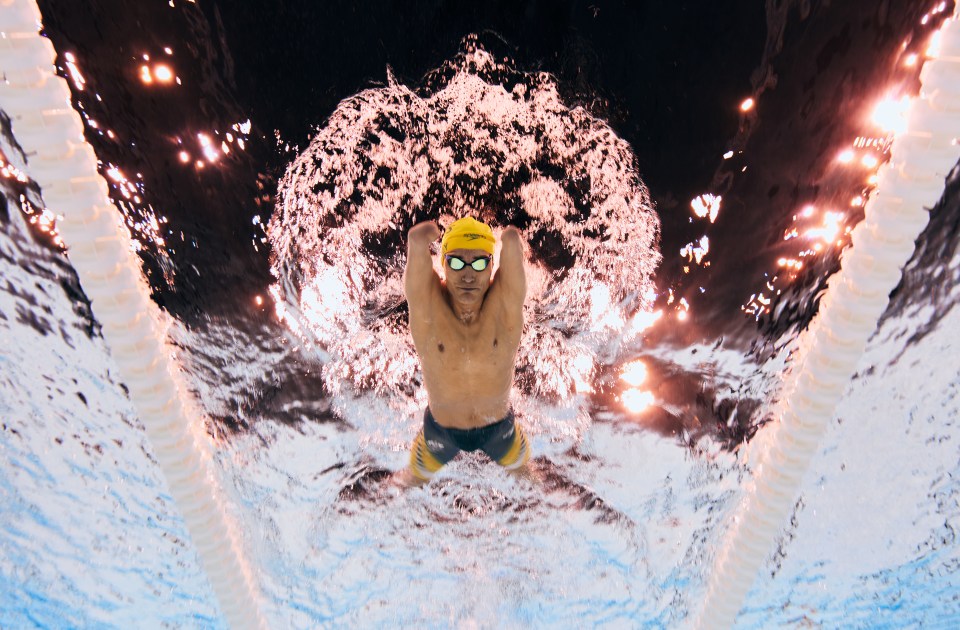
pixel 466 329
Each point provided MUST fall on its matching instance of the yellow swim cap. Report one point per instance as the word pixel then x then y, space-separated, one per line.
pixel 468 233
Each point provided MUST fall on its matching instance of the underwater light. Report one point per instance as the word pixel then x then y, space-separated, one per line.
pixel 637 400
pixel 634 374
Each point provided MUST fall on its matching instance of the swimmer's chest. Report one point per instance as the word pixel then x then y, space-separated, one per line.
pixel 486 347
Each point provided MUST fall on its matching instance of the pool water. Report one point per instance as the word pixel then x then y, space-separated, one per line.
pixel 277 259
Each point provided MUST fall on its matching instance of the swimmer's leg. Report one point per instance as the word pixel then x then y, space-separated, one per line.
pixel 423 464
pixel 510 448
pixel 430 451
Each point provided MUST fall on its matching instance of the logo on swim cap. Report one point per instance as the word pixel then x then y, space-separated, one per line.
pixel 468 233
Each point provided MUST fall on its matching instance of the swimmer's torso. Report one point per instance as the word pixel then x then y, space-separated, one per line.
pixel 467 368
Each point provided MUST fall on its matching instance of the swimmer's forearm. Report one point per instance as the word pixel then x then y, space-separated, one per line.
pixel 512 241
pixel 511 272
pixel 419 274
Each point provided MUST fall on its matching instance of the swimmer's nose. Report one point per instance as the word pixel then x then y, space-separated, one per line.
pixel 469 277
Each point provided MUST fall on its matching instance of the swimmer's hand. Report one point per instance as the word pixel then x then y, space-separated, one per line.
pixel 510 233
pixel 424 233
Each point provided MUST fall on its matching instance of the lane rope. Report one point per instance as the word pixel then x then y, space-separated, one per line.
pixel 908 185
pixel 101 250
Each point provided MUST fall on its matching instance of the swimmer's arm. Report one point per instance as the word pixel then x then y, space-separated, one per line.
pixel 511 276
pixel 420 278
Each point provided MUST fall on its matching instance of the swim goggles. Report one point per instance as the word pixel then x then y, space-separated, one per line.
pixel 456 263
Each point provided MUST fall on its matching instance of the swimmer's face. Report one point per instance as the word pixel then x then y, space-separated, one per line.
pixel 467 286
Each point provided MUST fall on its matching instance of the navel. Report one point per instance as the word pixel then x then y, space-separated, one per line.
pixel 440 347
pixel 494 342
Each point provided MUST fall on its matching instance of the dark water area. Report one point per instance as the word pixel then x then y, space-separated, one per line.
pixel 629 63
pixel 669 78
pixel 818 88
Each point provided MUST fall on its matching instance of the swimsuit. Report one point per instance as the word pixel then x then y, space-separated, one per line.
pixel 435 445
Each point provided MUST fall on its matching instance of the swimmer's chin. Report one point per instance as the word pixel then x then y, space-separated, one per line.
pixel 468 296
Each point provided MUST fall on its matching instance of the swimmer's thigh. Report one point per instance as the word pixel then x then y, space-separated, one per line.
pixel 510 447
pixel 431 450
